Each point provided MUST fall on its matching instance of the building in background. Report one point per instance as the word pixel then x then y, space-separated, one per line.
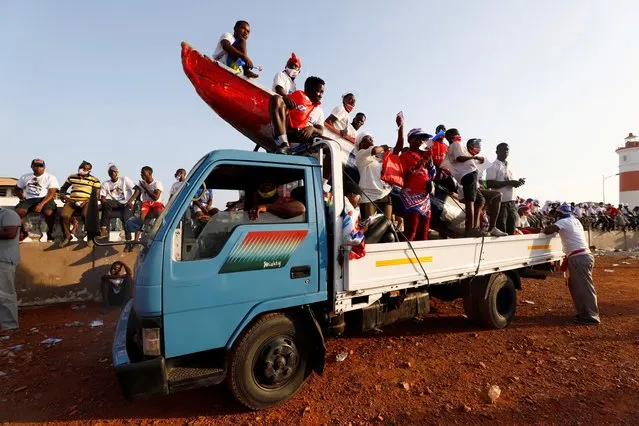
pixel 7 199
pixel 629 171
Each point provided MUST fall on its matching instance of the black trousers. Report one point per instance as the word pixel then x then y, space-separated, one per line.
pixel 111 206
pixel 507 218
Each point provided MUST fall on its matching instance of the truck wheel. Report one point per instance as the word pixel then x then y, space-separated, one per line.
pixel 498 306
pixel 473 294
pixel 268 363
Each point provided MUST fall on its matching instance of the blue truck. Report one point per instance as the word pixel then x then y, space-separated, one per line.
pixel 249 301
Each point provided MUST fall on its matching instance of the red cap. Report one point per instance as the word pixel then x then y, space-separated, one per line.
pixel 294 59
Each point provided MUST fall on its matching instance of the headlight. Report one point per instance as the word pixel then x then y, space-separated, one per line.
pixel 151 341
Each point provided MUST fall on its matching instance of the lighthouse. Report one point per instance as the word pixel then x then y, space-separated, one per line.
pixel 629 171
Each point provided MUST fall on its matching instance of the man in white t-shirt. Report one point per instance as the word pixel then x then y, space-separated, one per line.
pixel 149 190
pixel 500 177
pixel 37 191
pixel 115 194
pixel 284 81
pixel 180 175
pixel 358 122
pixel 338 121
pixel 580 263
pixel 463 166
pixel 231 47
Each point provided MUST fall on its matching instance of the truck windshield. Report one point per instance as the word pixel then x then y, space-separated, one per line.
pixel 160 220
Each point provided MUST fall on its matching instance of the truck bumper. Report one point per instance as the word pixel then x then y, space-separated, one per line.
pixel 141 378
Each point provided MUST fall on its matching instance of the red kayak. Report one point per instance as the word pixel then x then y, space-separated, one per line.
pixel 237 100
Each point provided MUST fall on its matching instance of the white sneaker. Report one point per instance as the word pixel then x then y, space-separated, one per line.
pixel 498 233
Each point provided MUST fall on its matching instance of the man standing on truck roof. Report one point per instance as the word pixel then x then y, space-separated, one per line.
pixel 284 81
pixel 337 122
pixel 290 114
pixel 500 177
pixel 578 265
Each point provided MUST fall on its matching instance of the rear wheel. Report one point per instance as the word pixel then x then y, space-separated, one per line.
pixel 473 294
pixel 497 308
pixel 268 364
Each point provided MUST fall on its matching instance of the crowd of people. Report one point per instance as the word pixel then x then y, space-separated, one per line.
pixel 117 196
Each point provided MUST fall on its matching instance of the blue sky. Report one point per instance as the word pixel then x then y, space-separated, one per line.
pixel 102 81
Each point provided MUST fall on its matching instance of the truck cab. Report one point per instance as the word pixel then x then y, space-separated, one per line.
pixel 200 283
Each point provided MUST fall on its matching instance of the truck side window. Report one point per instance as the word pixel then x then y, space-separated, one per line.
pixel 234 195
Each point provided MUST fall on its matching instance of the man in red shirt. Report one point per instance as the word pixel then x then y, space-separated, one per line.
pixel 415 195
pixel 290 114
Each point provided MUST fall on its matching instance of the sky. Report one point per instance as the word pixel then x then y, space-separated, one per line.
pixel 103 81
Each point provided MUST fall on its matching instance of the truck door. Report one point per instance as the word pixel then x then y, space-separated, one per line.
pixel 227 264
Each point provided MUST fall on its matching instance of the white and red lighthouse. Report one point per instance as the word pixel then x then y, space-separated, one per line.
pixel 629 171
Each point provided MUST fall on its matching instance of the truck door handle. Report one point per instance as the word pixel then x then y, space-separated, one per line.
pixel 302 271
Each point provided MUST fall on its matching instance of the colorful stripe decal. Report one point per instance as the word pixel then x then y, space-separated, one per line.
pixel 546 247
pixel 263 250
pixel 402 261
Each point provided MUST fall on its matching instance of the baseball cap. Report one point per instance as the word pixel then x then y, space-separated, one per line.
pixel 565 209
pixel 418 132
pixel 113 167
pixel 37 162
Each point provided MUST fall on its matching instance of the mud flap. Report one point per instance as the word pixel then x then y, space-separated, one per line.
pixel 318 355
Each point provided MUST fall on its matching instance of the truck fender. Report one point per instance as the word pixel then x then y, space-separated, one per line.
pixel 318 354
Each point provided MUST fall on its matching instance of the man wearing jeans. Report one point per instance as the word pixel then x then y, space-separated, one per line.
pixel 9 259
pixel 500 177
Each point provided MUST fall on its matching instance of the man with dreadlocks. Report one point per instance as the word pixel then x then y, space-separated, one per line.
pixel 577 265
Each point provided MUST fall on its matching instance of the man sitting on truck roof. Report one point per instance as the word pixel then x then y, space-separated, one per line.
pixel 232 47
pixel 290 114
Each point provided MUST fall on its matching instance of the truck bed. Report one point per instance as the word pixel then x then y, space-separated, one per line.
pixel 394 266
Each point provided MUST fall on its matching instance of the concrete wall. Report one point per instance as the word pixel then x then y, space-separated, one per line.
pixel 614 240
pixel 47 274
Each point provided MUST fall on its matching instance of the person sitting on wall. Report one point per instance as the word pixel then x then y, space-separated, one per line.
pixel 116 286
pixel 83 186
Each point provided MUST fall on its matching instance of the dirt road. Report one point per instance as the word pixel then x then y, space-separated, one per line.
pixel 434 371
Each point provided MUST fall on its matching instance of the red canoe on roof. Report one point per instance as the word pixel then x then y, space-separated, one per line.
pixel 237 100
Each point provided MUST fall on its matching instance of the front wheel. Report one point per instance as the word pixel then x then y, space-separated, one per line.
pixel 269 362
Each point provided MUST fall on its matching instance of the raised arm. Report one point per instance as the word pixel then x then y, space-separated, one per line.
pixel 399 145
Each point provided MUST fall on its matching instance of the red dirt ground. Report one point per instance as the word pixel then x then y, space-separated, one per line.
pixel 550 371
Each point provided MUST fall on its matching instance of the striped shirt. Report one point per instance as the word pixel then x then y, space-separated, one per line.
pixel 81 186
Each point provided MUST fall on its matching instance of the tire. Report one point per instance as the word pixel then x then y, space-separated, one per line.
pixel 498 307
pixel 269 362
pixel 473 295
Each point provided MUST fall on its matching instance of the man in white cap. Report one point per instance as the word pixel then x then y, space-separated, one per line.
pixel 578 265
